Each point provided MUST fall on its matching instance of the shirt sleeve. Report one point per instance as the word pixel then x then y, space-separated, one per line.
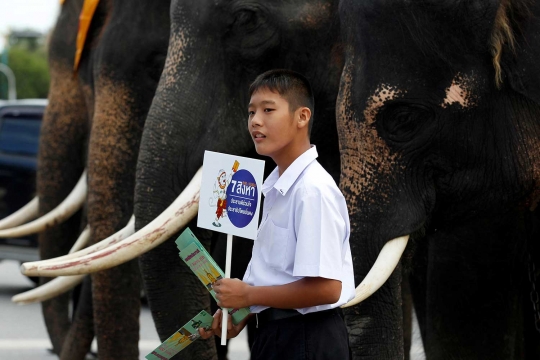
pixel 321 226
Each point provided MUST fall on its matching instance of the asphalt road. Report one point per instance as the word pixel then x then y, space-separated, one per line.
pixel 23 335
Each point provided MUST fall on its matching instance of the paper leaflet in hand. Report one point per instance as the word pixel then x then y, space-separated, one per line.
pixel 182 338
pixel 193 253
pixel 203 265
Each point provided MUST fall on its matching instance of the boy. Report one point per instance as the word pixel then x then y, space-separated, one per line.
pixel 301 265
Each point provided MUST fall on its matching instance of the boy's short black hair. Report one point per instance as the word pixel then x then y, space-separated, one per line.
pixel 292 86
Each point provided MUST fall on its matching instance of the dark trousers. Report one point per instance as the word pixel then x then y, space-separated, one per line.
pixel 315 336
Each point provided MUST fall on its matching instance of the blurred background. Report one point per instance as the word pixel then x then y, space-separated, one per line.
pixel 25 26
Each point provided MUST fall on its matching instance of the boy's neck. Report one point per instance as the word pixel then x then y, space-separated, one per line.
pixel 284 161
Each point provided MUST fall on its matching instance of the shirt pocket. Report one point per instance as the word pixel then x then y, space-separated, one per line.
pixel 274 249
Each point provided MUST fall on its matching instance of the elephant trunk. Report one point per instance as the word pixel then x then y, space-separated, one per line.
pixel 60 164
pixel 81 334
pixel 187 116
pixel 380 210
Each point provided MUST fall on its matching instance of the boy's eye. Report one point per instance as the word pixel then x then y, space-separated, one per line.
pixel 251 113
pixel 268 110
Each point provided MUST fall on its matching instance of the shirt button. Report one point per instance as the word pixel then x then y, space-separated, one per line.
pixel 281 191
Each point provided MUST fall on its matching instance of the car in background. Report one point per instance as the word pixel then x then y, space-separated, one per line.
pixel 20 124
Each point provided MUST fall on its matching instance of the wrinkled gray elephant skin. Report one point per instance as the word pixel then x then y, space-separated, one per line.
pixel 438 117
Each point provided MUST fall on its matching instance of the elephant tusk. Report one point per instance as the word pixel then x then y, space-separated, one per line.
pixel 56 286
pixel 175 217
pixel 49 290
pixel 385 264
pixel 126 231
pixel 27 212
pixel 81 241
pixel 62 212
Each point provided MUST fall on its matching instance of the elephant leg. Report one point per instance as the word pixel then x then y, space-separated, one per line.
pixel 81 334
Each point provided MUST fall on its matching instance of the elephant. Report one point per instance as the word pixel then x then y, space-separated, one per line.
pixel 439 139
pixel 203 94
pixel 96 119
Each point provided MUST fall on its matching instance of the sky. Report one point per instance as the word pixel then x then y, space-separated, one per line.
pixel 37 15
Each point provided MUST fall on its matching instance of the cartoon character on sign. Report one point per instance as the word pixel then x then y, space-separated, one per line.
pixel 220 192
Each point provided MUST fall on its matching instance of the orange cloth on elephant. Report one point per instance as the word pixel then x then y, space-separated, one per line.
pixel 85 18
pixel 221 205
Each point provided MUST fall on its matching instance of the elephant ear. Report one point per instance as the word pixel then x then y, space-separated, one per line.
pixel 521 67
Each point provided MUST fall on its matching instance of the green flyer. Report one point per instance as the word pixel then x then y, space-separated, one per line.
pixel 203 265
pixel 182 338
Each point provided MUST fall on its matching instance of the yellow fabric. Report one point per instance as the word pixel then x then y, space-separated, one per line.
pixel 85 19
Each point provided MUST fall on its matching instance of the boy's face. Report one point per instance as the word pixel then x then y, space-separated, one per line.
pixel 273 127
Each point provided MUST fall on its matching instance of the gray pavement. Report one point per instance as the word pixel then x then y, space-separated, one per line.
pixel 23 335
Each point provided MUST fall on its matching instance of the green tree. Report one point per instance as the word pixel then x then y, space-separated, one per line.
pixel 30 66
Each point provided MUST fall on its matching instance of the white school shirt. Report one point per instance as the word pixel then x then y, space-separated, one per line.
pixel 304 231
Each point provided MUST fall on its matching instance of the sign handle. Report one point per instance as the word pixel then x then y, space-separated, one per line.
pixel 225 319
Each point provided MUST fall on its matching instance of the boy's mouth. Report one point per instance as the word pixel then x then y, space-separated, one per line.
pixel 258 135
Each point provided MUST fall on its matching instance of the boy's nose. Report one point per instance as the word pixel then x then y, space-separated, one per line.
pixel 256 121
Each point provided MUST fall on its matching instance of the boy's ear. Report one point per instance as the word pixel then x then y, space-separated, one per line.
pixel 304 116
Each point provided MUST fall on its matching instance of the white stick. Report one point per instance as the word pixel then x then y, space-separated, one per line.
pixel 225 319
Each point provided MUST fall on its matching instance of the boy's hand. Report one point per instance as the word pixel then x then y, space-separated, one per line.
pixel 232 330
pixel 232 293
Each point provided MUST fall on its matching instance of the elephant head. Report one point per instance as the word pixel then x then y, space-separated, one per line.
pixel 439 137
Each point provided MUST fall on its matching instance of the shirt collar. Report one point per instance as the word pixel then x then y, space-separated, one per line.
pixel 284 182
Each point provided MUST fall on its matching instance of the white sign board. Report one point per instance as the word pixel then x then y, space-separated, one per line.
pixel 230 194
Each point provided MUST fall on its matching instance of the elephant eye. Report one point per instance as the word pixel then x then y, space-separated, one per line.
pixel 251 34
pixel 400 121
pixel 247 20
